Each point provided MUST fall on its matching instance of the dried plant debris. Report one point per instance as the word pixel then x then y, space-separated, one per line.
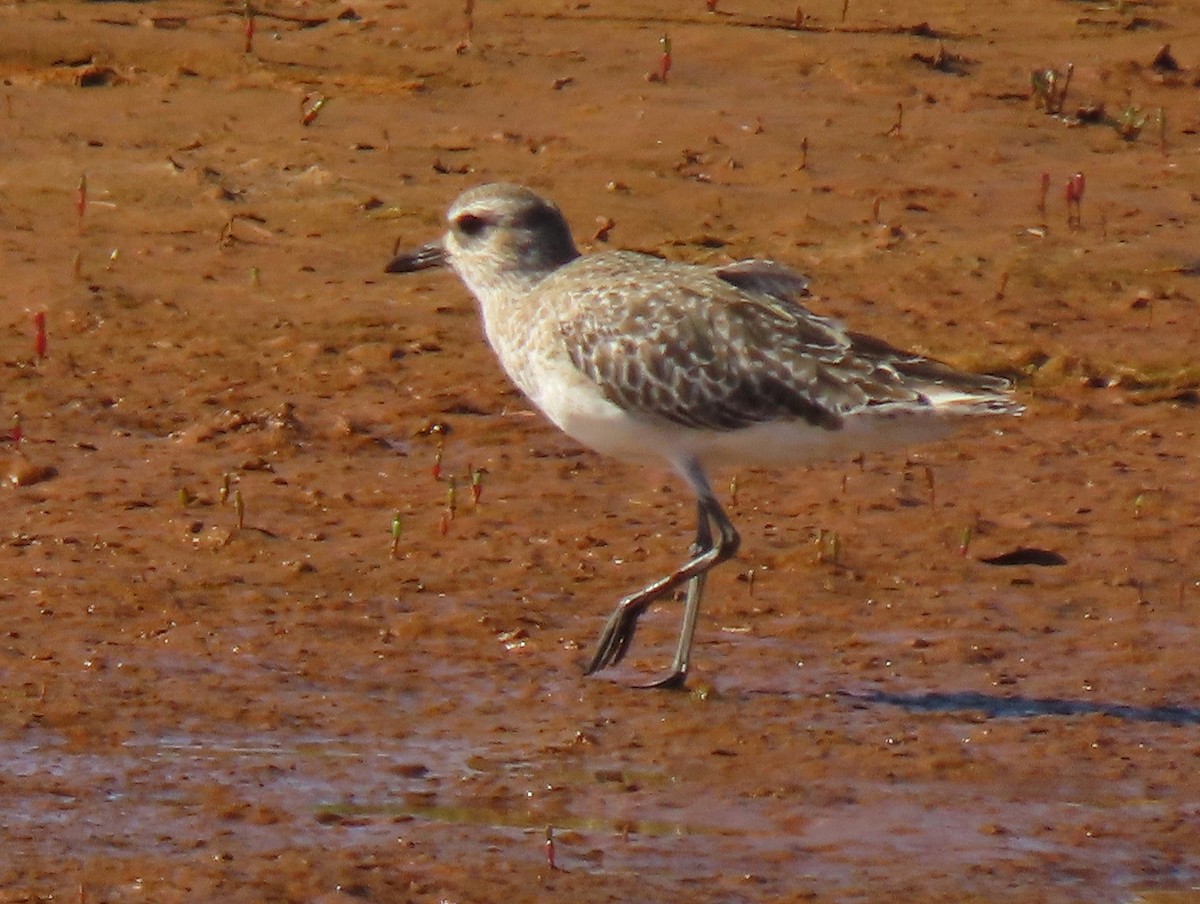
pixel 946 61
pixel 1027 555
pixel 1164 60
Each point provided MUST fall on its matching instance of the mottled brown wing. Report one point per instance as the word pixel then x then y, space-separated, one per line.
pixel 680 343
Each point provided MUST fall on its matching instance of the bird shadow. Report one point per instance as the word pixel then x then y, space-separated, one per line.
pixel 1024 707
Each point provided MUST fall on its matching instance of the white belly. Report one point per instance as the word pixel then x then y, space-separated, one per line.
pixel 575 404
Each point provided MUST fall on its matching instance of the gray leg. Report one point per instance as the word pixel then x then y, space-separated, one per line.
pixel 705 554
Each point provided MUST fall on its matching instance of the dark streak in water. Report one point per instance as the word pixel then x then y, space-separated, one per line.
pixel 1027 707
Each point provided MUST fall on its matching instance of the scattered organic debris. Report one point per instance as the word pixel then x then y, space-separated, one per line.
pixel 944 61
pixel 256 224
pixel 1164 60
pixel 311 105
pixel 604 225
pixel 94 76
pixel 829 547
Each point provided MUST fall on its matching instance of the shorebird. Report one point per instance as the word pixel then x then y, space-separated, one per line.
pixel 651 360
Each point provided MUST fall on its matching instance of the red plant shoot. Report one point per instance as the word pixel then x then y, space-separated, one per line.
pixel 436 470
pixel 81 201
pixel 249 12
pixel 664 61
pixel 1073 192
pixel 39 334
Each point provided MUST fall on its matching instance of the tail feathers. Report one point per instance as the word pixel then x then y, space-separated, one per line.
pixel 992 398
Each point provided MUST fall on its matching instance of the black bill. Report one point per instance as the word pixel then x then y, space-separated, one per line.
pixel 423 258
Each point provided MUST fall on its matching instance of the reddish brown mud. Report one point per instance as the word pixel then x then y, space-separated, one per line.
pixel 286 711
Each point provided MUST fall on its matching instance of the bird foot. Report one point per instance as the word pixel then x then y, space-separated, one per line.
pixel 674 680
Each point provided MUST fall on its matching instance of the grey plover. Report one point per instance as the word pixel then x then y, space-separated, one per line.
pixel 650 360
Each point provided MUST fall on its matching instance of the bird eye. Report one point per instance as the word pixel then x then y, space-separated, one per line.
pixel 470 224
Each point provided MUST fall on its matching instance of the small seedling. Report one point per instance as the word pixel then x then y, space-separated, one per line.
pixel 397 530
pixel 804 152
pixel 1045 190
pixel 1161 119
pixel 239 508
pixel 248 12
pixel 452 496
pixel 112 260
pixel 80 202
pixel 226 482
pixel 1003 286
pixel 39 334
pixel 16 432
pixel 1073 193
pixel 1130 123
pixel 733 488
pixel 469 14
pixel 1050 88
pixel 750 581
pixel 845 9
pixel 929 482
pixel 898 125
pixel 550 835
pixel 964 541
pixel 255 277
pixel 444 523
pixel 436 469
pixel 664 61
pixel 476 485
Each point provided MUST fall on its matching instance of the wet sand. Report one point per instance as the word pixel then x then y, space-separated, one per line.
pixel 292 710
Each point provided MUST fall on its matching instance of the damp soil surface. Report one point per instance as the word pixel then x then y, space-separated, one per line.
pixel 255 647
